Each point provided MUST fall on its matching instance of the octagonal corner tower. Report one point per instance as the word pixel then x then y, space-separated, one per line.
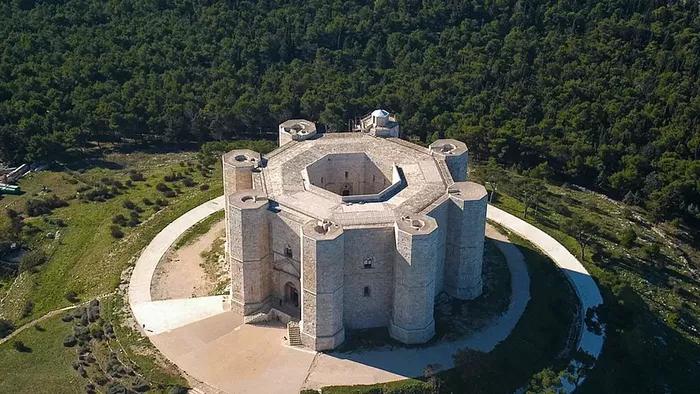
pixel 347 231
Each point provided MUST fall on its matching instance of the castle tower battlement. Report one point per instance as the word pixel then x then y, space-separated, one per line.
pixel 238 169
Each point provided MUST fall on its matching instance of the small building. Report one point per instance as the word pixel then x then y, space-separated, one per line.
pixel 379 123
pixel 353 230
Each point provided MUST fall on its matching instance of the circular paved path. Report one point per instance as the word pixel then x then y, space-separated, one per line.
pixel 212 345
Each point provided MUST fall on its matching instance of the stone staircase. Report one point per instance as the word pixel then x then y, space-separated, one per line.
pixel 293 333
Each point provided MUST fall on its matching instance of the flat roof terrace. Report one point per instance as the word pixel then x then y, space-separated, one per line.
pixel 353 178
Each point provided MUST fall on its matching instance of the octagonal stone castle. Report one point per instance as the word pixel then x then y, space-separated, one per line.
pixel 352 230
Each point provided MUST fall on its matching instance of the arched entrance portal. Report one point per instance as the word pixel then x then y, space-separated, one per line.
pixel 291 295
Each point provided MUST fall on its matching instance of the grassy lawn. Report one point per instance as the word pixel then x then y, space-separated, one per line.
pixel 46 369
pixel 85 258
pixel 49 366
pixel 649 283
pixel 136 351
pixel 199 229
pixel 402 386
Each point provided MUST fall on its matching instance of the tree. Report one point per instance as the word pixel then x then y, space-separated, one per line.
pixel 531 193
pixel 545 381
pixel 430 373
pixel 628 237
pixel 582 230
pixel 581 363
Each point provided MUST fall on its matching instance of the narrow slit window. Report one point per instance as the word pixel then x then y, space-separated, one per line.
pixel 346 175
pixel 366 291
pixel 288 251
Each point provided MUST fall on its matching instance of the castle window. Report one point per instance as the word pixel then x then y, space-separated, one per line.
pixel 366 292
pixel 288 251
pixel 367 264
pixel 346 175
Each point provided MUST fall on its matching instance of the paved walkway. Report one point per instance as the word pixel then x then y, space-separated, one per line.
pixel 215 347
pixel 150 315
pixel 585 287
pixel 237 358
pixel 384 365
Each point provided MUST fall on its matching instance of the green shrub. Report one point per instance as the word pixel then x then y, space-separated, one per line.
pixel 116 231
pixel 21 347
pixel 70 341
pixel 27 309
pixel 136 176
pixel 37 206
pixel 119 219
pixel 128 204
pixel 628 237
pixel 6 328
pixel 71 296
pixel 32 259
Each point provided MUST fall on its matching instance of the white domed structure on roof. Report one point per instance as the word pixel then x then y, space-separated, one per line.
pixel 380 123
pixel 380 113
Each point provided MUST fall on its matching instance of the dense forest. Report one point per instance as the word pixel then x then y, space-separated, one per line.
pixel 600 93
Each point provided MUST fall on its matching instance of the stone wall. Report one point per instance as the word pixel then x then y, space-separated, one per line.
pixel 373 309
pixel 440 214
pixel 285 235
pixel 354 172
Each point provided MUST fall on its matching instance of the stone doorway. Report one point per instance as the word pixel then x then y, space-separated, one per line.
pixel 291 295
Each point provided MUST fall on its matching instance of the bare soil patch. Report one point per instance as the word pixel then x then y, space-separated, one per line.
pixel 196 269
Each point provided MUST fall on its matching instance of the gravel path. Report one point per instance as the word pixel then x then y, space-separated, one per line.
pixel 584 285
